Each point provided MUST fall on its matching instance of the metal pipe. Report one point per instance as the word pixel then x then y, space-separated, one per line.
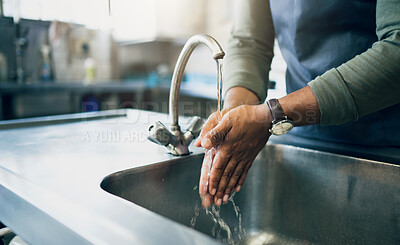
pixel 187 50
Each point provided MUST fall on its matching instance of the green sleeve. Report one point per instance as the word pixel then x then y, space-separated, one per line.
pixel 370 81
pixel 249 55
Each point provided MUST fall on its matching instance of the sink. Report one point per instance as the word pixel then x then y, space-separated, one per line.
pixel 291 196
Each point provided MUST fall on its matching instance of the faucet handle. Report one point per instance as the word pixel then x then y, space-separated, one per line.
pixel 195 126
pixel 159 134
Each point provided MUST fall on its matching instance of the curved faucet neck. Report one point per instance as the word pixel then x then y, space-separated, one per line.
pixel 187 50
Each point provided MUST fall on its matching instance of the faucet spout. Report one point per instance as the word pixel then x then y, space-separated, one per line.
pixel 187 50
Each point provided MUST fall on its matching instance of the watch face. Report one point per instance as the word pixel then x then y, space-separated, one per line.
pixel 281 127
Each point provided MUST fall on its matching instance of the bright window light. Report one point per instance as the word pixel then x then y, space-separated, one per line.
pixel 129 19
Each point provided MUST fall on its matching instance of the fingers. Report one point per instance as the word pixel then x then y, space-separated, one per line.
pixel 212 121
pixel 205 171
pixel 221 159
pixel 216 135
pixel 243 176
pixel 227 174
pixel 203 185
pixel 206 198
pixel 220 197
pixel 234 180
pixel 206 201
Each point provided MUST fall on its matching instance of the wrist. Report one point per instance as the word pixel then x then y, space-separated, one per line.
pixel 238 96
pixel 262 114
pixel 301 107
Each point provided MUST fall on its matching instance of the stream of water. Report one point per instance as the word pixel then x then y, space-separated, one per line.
pixel 219 84
pixel 221 229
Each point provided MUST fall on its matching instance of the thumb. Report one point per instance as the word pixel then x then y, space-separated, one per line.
pixel 216 135
pixel 210 124
pixel 206 129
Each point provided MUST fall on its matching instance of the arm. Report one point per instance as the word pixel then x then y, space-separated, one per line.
pixel 250 50
pixel 369 82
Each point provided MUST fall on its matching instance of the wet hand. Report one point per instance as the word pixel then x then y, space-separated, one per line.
pixel 206 197
pixel 212 121
pixel 237 139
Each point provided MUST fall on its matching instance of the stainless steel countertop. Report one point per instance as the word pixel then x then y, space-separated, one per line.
pixel 50 179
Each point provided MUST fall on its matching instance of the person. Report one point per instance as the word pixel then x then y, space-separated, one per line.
pixel 343 82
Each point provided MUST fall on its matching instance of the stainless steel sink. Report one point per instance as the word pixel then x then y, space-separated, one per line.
pixel 291 196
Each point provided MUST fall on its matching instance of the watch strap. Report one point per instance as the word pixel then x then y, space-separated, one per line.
pixel 276 110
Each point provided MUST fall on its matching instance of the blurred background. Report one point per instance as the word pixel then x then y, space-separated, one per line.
pixel 70 56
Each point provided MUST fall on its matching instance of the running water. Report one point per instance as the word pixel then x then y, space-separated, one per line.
pixel 214 212
pixel 196 214
pixel 222 230
pixel 219 84
pixel 239 231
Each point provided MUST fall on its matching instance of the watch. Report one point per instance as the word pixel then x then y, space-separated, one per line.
pixel 280 123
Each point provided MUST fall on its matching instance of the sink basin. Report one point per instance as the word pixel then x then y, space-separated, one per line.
pixel 291 196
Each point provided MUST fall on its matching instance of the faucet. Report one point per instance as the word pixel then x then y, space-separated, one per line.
pixel 176 141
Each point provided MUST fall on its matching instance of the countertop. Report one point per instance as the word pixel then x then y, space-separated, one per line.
pixel 50 175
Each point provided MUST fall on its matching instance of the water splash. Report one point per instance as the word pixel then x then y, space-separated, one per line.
pixel 221 230
pixel 241 233
pixel 215 214
pixel 196 215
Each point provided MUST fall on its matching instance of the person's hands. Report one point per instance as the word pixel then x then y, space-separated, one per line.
pixel 238 138
pixel 206 198
pixel 211 122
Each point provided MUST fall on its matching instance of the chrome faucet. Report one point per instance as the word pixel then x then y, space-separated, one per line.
pixel 176 141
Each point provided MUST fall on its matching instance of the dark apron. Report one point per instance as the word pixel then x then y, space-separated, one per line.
pixel 317 35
